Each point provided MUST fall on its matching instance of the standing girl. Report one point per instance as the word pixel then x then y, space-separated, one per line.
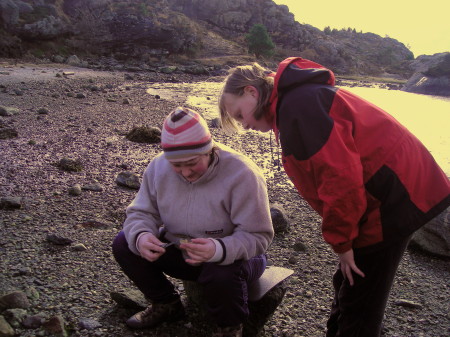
pixel 370 179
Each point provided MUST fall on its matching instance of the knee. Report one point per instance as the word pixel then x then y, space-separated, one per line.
pixel 120 246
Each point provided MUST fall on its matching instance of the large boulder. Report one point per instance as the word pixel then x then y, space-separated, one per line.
pixel 431 76
pixel 434 237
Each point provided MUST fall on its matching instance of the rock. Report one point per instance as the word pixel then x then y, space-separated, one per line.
pixel 279 219
pixel 299 246
pixel 145 134
pixel 8 111
pixel 261 311
pixel 43 111
pixel 128 179
pixel 70 165
pixel 434 237
pixel 216 123
pixel 5 329
pixel 432 75
pixel 75 190
pixel 408 304
pixel 89 324
pixel 168 69
pixel 93 187
pixel 55 325
pixel 15 317
pixel 14 300
pixel 58 239
pixel 95 224
pixel 8 133
pixel 33 321
pixel 73 60
pixel 130 298
pixel 10 203
pixel 79 247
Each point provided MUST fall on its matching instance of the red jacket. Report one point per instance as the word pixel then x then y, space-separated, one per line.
pixel 370 179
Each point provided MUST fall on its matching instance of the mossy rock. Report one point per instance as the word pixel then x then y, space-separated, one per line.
pixel 144 134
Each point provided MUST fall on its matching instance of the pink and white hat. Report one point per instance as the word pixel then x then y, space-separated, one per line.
pixel 185 135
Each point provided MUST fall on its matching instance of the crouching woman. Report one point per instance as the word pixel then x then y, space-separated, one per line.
pixel 201 214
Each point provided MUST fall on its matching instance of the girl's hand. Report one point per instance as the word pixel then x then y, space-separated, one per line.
pixel 199 250
pixel 149 247
pixel 347 264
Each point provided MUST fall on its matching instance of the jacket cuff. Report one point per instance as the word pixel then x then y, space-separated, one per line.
pixel 342 248
pixel 218 255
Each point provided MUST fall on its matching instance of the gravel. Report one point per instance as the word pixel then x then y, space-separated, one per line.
pixel 71 275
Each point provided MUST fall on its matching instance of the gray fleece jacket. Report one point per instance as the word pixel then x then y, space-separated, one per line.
pixel 229 203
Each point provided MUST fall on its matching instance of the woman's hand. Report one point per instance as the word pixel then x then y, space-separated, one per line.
pixel 199 250
pixel 347 264
pixel 149 247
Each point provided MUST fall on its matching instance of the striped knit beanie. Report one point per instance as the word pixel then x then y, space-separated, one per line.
pixel 185 135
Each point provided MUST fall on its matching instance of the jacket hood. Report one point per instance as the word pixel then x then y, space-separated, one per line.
pixel 293 72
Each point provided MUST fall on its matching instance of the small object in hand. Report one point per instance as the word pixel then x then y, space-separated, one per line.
pixel 168 244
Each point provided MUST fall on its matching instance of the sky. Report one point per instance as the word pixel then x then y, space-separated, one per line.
pixel 422 26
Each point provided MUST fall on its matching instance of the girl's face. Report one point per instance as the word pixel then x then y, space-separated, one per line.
pixel 241 108
pixel 192 169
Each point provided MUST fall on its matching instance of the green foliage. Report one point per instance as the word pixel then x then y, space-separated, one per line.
pixel 259 42
pixel 327 30
pixel 441 69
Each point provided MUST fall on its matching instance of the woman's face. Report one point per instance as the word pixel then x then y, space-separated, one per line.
pixel 242 108
pixel 192 169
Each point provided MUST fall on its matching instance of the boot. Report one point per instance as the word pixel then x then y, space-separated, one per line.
pixel 157 313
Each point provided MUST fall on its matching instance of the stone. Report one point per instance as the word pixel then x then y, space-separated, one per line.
pixel 144 134
pixel 216 123
pixel 70 165
pixel 5 329
pixel 264 296
pixel 75 190
pixel 79 247
pixel 43 111
pixel 15 317
pixel 10 203
pixel 96 187
pixel 33 321
pixel 89 324
pixel 58 239
pixel 8 133
pixel 408 304
pixel 279 219
pixel 130 298
pixel 73 60
pixel 434 237
pixel 128 179
pixel 55 325
pixel 14 300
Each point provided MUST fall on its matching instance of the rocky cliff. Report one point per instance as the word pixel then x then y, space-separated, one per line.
pixel 198 28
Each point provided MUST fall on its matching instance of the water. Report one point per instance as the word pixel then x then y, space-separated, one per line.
pixel 427 117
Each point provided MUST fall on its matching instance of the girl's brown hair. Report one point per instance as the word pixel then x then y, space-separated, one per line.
pixel 240 77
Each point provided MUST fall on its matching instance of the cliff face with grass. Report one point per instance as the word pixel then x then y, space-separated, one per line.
pixel 198 28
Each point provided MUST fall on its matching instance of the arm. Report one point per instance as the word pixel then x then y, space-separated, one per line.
pixel 143 214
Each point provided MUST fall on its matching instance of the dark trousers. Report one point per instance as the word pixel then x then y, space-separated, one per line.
pixel 358 310
pixel 225 287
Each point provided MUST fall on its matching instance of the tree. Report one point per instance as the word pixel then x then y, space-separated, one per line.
pixel 259 41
